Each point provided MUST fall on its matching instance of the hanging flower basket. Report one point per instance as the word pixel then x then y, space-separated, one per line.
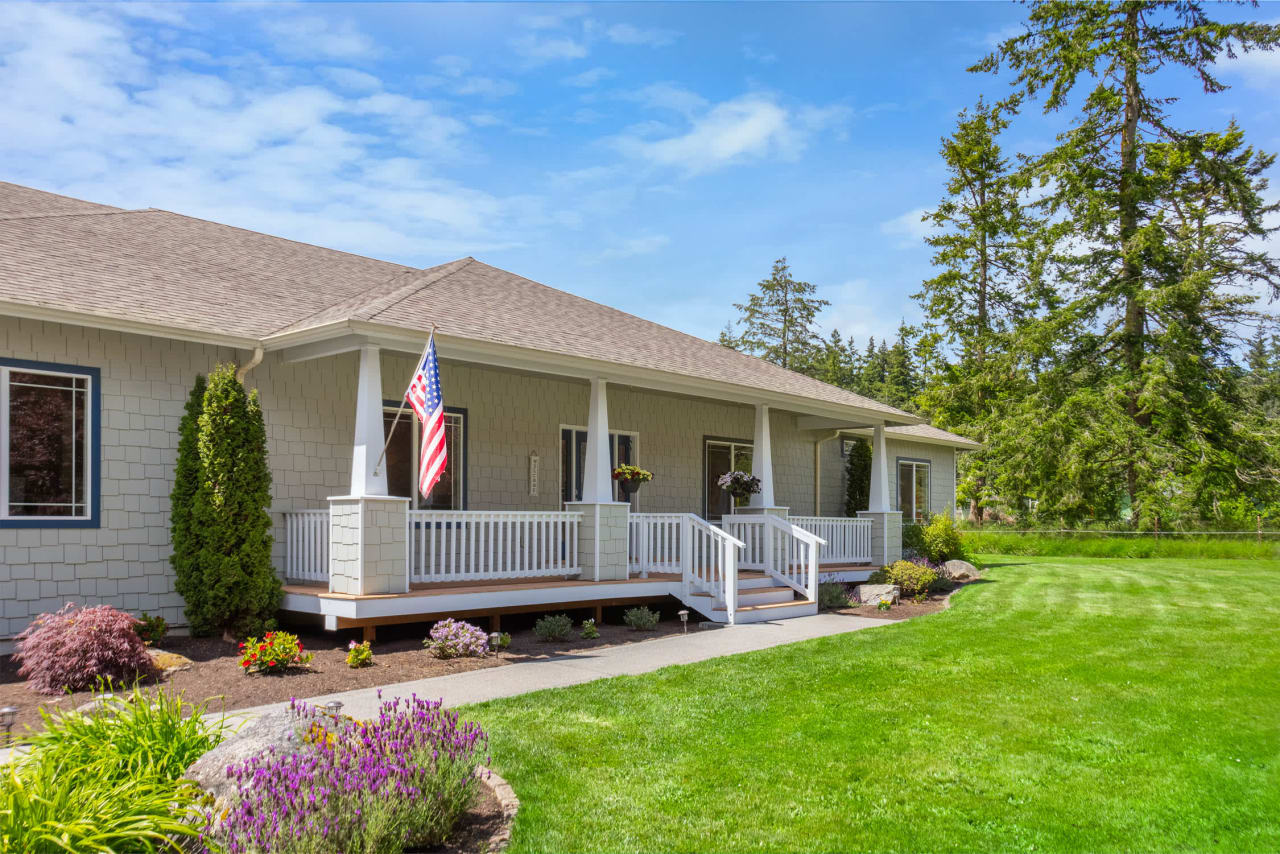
pixel 739 484
pixel 630 478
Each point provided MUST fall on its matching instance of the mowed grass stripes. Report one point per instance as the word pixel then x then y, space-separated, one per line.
pixel 1062 705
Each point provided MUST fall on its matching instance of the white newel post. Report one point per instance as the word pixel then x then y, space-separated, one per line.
pixel 886 524
pixel 762 467
pixel 602 536
pixel 368 535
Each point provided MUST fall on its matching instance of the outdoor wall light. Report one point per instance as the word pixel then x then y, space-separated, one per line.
pixel 334 708
pixel 684 620
pixel 8 716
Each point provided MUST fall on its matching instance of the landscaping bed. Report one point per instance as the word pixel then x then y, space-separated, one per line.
pixel 217 679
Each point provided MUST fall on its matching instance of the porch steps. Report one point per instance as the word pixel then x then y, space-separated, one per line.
pixel 760 599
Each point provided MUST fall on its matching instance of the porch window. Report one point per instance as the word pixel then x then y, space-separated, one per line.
pixel 623 450
pixel 913 490
pixel 48 445
pixel 721 456
pixel 402 460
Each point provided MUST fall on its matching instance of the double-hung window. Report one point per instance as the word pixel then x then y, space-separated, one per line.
pixel 913 490
pixel 48 445
pixel 403 449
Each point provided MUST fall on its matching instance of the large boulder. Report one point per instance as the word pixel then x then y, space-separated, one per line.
pixel 874 594
pixel 278 730
pixel 959 570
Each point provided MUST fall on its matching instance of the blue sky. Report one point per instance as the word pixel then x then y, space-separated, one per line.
pixel 655 157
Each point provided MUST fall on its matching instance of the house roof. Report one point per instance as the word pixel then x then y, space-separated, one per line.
pixel 178 272
pixel 928 434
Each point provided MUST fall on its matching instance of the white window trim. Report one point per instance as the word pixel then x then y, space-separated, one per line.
pixel 928 466
pixel 87 485
pixel 415 446
pixel 635 447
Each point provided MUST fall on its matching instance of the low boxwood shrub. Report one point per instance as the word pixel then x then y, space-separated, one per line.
pixel 553 627
pixel 275 653
pixel 400 781
pixel 452 638
pixel 359 655
pixel 641 619
pixel 833 594
pixel 77 648
pixel 914 579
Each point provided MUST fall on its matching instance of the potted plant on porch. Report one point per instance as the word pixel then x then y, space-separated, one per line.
pixel 629 478
pixel 739 484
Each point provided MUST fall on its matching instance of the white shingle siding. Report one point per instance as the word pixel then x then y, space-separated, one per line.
pixel 310 413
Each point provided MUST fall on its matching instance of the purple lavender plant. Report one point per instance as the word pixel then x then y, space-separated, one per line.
pixel 399 781
pixel 452 638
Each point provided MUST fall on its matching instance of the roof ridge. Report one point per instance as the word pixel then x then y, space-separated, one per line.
pixel 401 294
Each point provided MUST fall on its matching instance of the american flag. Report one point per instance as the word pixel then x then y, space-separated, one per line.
pixel 424 396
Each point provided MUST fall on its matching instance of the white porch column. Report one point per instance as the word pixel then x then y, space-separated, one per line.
pixel 886 524
pixel 369 438
pixel 878 501
pixel 597 479
pixel 762 459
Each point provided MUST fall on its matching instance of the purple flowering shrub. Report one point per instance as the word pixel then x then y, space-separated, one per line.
pixel 400 781
pixel 452 638
pixel 74 648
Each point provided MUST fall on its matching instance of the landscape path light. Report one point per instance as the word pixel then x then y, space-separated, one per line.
pixel 684 620
pixel 8 716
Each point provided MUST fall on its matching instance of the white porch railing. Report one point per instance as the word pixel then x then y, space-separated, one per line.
pixel 710 562
pixel 848 540
pixel 775 546
pixel 464 545
pixel 306 545
pixel 653 543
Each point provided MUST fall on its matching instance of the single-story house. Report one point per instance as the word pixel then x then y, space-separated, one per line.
pixel 107 316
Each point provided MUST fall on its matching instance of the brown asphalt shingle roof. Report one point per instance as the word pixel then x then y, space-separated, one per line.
pixel 173 270
pixel 928 431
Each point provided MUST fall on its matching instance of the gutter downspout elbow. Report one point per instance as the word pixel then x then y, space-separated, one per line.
pixel 253 362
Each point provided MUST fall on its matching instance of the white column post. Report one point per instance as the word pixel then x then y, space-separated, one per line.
pixel 878 501
pixel 369 438
pixel 597 479
pixel 762 459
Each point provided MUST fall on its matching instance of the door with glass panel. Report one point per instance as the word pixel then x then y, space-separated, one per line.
pixel 573 456
pixel 721 456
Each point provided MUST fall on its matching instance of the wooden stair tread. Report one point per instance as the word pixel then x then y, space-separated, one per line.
pixel 771 605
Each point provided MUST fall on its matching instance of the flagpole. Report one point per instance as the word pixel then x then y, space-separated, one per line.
pixel 400 411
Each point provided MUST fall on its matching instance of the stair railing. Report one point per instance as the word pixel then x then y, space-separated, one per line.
pixel 792 555
pixel 709 562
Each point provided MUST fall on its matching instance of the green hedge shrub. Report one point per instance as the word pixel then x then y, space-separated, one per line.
pixel 941 540
pixel 553 627
pixel 832 594
pixel 914 579
pixel 641 619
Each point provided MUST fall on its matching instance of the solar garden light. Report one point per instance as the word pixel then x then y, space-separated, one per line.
pixel 684 620
pixel 494 637
pixel 334 708
pixel 8 715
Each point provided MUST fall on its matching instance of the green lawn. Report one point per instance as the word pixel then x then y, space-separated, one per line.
pixel 1063 705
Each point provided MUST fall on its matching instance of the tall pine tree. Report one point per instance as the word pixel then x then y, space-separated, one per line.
pixel 778 321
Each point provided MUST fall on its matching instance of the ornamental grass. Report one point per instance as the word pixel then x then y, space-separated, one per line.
pixel 400 781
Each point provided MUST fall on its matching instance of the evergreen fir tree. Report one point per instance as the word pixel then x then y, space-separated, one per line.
pixel 778 320
pixel 857 477
pixel 183 534
pixel 231 505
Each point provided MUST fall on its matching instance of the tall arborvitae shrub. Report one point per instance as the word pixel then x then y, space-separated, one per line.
pixel 857 476
pixel 242 591
pixel 186 480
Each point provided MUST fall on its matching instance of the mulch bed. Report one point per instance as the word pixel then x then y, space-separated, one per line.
pixel 908 608
pixel 217 679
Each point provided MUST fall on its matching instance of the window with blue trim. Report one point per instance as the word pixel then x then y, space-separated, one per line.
pixel 48 450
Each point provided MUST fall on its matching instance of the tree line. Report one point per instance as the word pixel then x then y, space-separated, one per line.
pixel 1098 314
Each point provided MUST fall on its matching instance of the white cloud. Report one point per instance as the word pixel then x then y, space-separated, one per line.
pixel 538 50
pixel 669 96
pixel 589 79
pixel 755 54
pixel 629 34
pixel 631 247
pixel 910 228
pixel 311 36
pixel 89 112
pixel 1257 68
pixel 749 127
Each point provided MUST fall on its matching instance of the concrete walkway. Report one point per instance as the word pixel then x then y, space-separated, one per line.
pixel 476 686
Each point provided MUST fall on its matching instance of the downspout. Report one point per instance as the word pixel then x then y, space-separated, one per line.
pixel 817 471
pixel 253 362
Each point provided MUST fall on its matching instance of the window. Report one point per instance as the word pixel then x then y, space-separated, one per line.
pixel 449 493
pixel 623 450
pixel 48 445
pixel 913 490
pixel 721 456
